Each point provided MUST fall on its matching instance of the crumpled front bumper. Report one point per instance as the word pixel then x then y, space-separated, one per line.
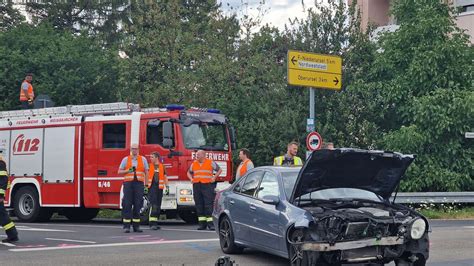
pixel 321 247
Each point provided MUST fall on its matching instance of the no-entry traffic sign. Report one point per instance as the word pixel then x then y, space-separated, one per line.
pixel 314 141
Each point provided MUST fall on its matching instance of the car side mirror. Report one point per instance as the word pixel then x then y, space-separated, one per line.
pixel 271 199
pixel 233 141
pixel 168 135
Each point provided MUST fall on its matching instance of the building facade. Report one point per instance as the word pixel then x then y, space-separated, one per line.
pixel 377 12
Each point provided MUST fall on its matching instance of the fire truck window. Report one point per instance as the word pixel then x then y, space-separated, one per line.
pixel 154 132
pixel 114 136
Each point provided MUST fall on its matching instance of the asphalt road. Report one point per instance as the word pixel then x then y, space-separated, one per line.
pixel 103 243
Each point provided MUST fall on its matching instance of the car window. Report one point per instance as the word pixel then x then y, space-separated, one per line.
pixel 251 183
pixel 238 186
pixel 268 186
pixel 289 180
pixel 341 193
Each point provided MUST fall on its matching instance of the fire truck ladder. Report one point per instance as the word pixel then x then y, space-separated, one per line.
pixel 75 110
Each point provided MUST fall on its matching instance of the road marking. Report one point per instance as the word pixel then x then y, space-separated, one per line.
pixel 27 228
pixel 8 244
pixel 468 227
pixel 116 245
pixel 186 230
pixel 71 240
pixel 163 227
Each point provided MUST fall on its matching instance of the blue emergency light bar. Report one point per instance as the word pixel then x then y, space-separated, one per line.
pixel 174 107
pixel 214 111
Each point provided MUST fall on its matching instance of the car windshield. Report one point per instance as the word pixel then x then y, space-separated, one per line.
pixel 341 193
pixel 205 136
pixel 289 179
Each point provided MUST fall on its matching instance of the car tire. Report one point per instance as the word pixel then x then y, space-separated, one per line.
pixel 409 263
pixel 27 207
pixel 299 257
pixel 80 214
pixel 188 216
pixel 226 237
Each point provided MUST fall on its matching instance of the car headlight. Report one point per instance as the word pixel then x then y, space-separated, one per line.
pixel 418 228
pixel 185 192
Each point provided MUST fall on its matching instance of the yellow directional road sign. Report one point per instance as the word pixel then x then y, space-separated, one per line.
pixel 314 70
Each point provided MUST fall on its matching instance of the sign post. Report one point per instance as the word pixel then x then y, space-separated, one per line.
pixel 314 71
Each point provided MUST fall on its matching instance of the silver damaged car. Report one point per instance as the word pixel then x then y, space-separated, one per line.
pixel 334 210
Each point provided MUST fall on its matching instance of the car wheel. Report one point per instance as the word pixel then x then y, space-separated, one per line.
pixel 419 262
pixel 226 237
pixel 188 216
pixel 297 256
pixel 80 214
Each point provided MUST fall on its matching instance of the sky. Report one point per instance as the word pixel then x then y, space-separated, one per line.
pixel 277 12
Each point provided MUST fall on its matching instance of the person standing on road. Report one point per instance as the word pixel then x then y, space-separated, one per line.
pixel 245 165
pixel 27 94
pixel 5 221
pixel 157 182
pixel 203 173
pixel 290 158
pixel 135 168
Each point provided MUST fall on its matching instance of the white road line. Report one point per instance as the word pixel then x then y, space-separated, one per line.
pixel 163 227
pixel 468 227
pixel 71 240
pixel 27 228
pixel 8 244
pixel 186 230
pixel 116 245
pixel 82 225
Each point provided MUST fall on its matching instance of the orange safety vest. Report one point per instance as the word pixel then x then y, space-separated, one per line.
pixel 161 175
pixel 243 168
pixel 31 93
pixel 140 169
pixel 202 173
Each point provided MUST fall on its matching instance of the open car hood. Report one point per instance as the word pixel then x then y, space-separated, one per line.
pixel 376 171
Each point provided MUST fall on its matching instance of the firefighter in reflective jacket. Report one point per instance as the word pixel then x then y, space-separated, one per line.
pixel 203 173
pixel 290 158
pixel 27 95
pixel 135 168
pixel 157 182
pixel 5 222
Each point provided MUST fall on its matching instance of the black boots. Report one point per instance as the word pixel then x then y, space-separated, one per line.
pixel 202 225
pixel 210 225
pixel 136 228
pixel 12 235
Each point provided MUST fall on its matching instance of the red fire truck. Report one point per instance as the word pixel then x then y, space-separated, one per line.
pixel 65 159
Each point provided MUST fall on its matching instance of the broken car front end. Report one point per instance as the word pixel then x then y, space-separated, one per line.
pixel 360 232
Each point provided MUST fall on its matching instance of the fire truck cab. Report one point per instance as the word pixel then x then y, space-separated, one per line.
pixel 65 159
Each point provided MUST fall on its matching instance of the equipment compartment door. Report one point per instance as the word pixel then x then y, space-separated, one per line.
pixel 59 155
pixel 26 155
pixel 60 167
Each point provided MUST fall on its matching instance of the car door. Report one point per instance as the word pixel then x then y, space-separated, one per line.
pixel 239 205
pixel 267 230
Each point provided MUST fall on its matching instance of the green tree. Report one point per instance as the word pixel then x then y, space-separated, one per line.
pixel 103 19
pixel 9 16
pixel 424 75
pixel 70 69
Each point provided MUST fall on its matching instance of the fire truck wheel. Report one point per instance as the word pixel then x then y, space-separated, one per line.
pixel 171 214
pixel 80 214
pixel 26 206
pixel 188 216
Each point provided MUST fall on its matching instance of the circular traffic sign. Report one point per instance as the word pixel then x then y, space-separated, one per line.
pixel 314 141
